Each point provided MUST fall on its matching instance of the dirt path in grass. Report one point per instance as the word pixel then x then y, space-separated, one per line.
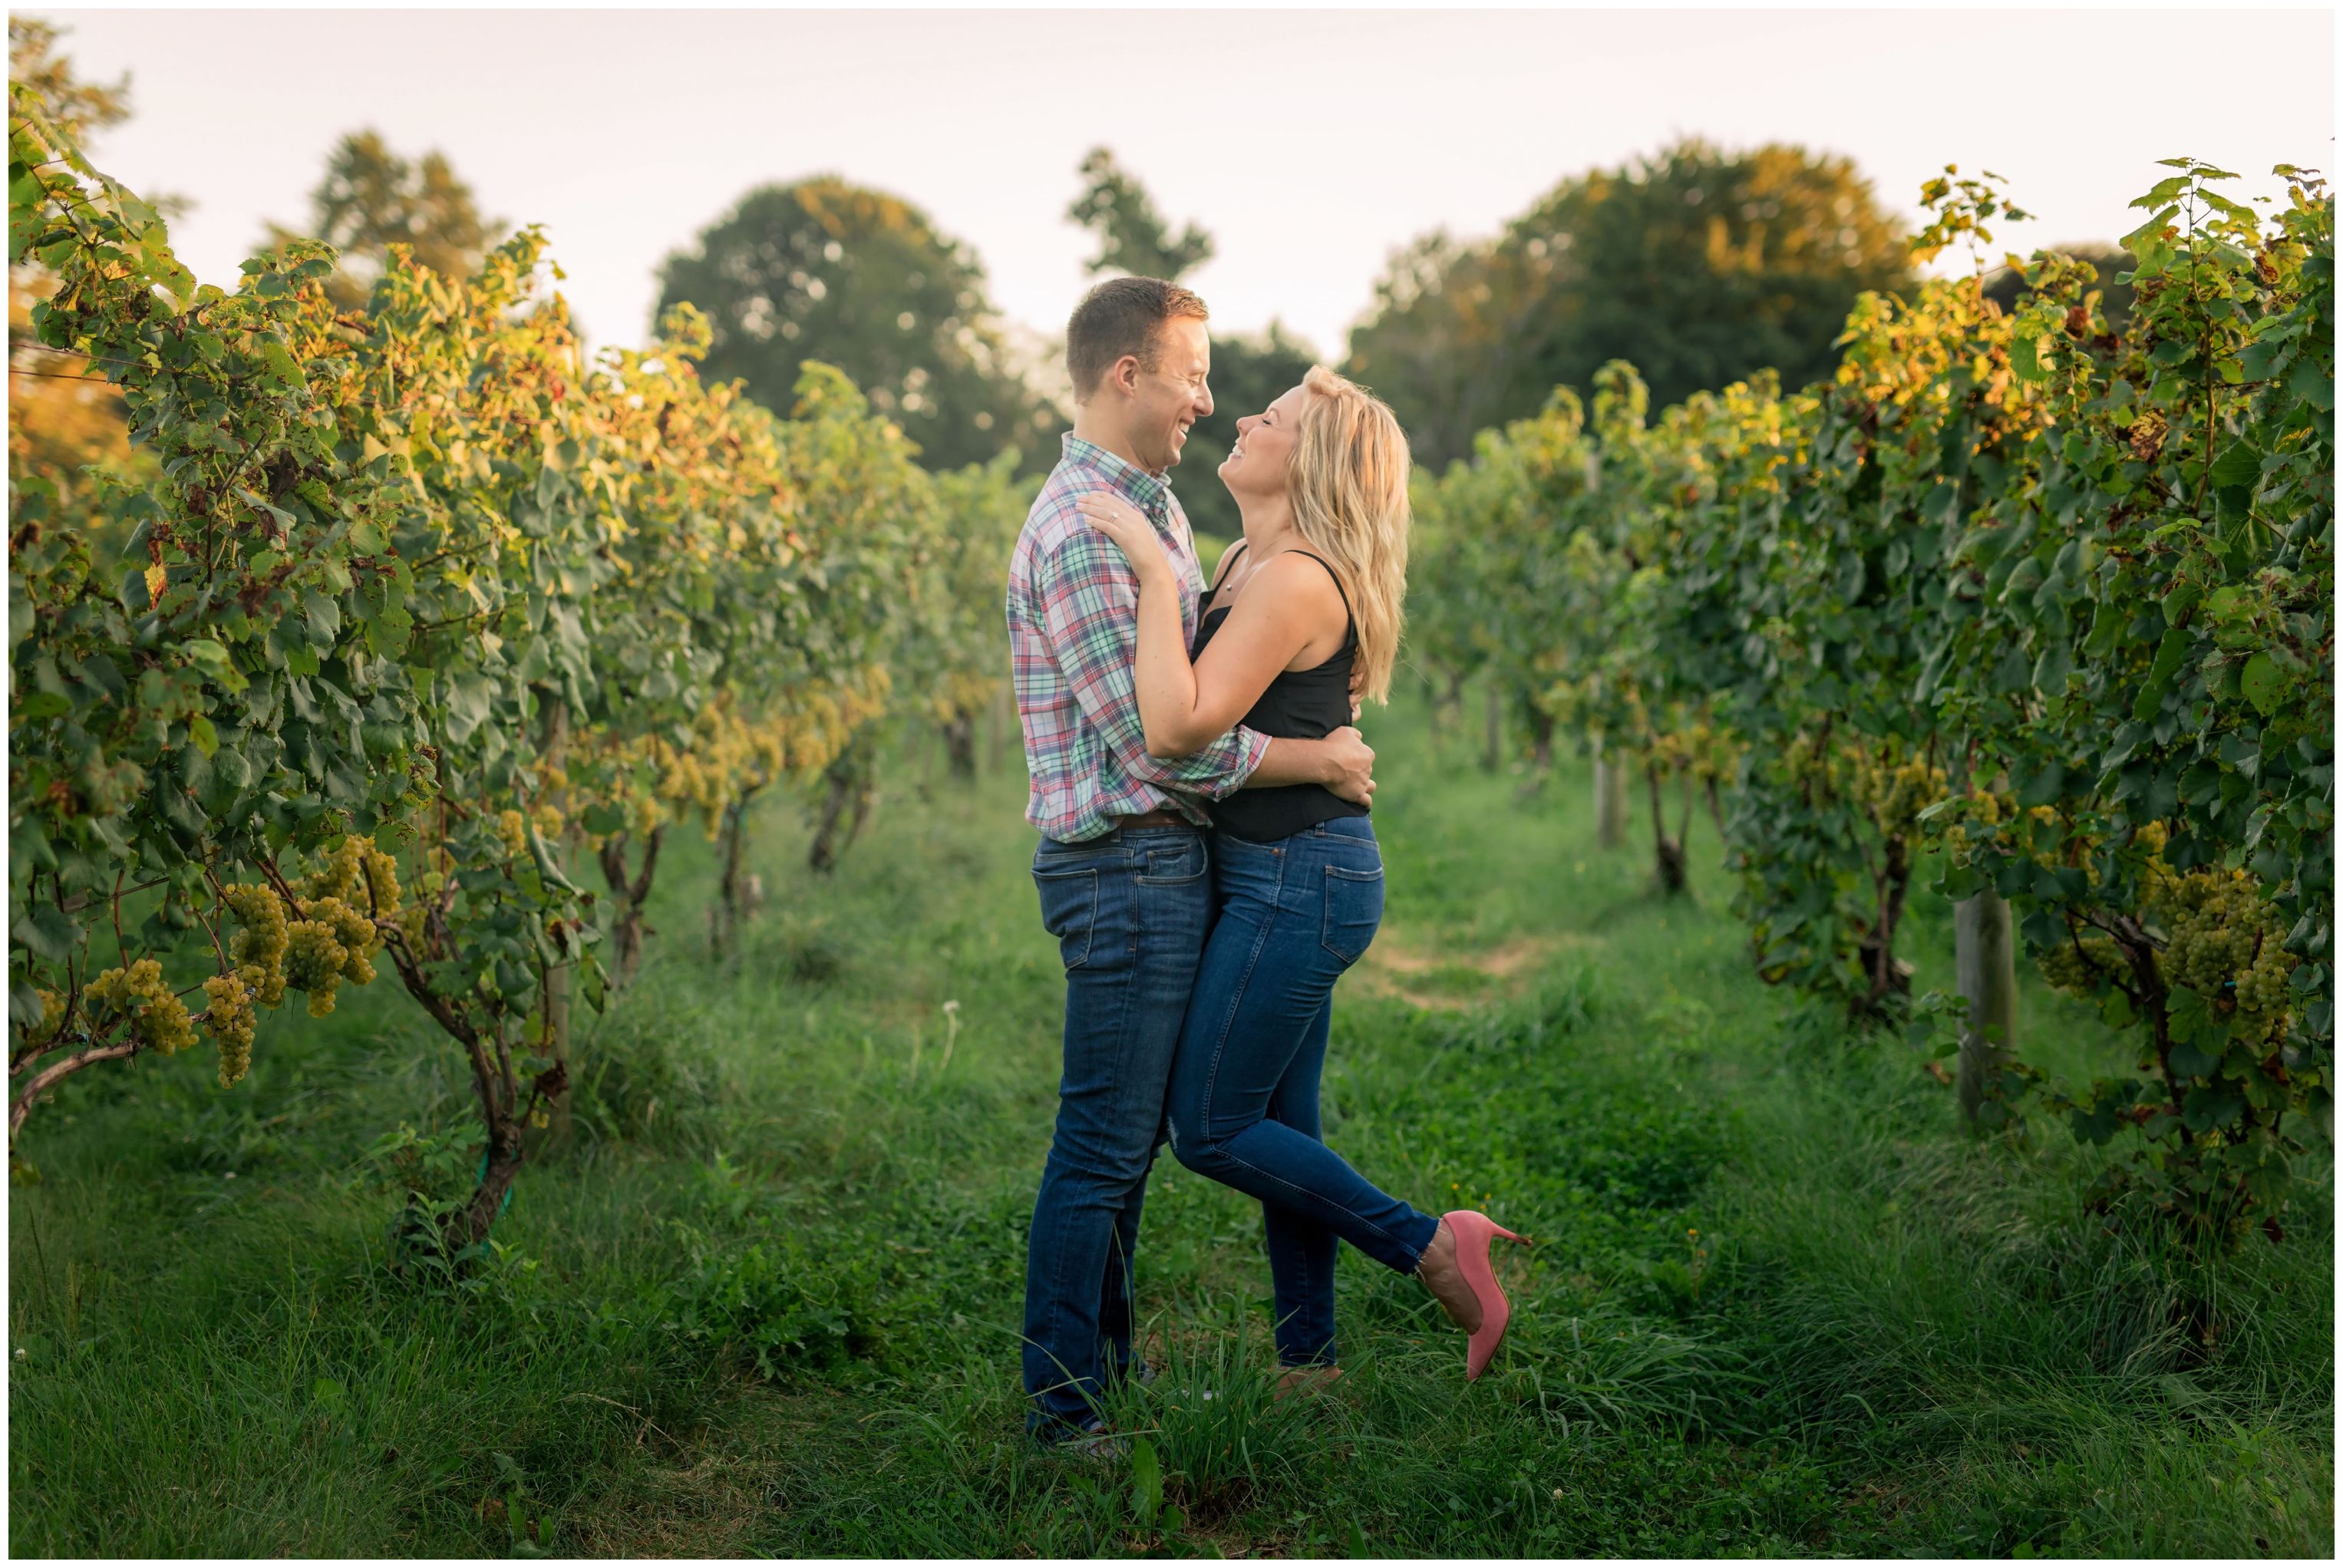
pixel 1452 982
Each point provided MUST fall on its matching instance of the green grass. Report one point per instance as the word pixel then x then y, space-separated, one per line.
pixel 765 1300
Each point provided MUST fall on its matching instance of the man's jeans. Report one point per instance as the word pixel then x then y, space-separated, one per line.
pixel 1131 912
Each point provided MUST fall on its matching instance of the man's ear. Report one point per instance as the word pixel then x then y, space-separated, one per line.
pixel 1124 375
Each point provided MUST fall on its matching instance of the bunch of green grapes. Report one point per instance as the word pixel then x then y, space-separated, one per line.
pixel 230 1020
pixel 696 779
pixel 626 783
pixel 313 961
pixel 2219 944
pixel 427 887
pixel 53 1019
pixel 1716 754
pixel 157 1017
pixel 2081 967
pixel 1698 749
pixel 2264 990
pixel 1980 811
pixel 357 936
pixel 513 829
pixel 1896 793
pixel 2059 845
pixel 1808 760
pixel 259 948
pixel 359 873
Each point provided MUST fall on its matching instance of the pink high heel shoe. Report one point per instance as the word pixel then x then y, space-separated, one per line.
pixel 1475 1235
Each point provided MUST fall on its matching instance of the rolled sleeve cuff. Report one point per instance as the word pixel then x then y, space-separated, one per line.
pixel 1251 746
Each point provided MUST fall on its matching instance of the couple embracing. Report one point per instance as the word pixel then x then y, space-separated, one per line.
pixel 1206 860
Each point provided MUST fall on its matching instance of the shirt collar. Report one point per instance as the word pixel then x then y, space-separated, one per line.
pixel 1147 491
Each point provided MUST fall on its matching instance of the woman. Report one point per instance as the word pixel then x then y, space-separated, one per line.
pixel 1314 589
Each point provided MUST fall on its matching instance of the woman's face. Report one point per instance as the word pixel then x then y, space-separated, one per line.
pixel 1256 464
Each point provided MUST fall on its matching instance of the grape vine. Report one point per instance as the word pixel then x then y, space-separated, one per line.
pixel 2034 608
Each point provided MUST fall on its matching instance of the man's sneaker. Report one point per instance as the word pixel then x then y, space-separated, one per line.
pixel 1098 1445
pixel 1305 1381
pixel 1135 1370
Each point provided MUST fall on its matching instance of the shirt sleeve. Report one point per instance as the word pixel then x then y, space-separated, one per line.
pixel 1090 609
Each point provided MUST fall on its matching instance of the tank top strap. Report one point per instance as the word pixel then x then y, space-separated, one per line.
pixel 1212 590
pixel 1350 620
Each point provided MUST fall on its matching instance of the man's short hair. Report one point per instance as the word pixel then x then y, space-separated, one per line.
pixel 1122 315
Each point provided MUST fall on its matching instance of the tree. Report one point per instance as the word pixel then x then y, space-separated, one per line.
pixel 61 418
pixel 825 270
pixel 1133 238
pixel 74 106
pixel 371 199
pixel 1445 316
pixel 1249 370
pixel 1701 265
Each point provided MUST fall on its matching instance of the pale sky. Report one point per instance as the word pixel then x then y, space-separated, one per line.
pixel 1310 143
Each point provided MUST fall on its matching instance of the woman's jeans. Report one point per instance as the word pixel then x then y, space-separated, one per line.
pixel 1291 917
pixel 1130 911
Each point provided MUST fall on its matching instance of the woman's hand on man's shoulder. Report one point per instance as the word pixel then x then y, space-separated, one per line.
pixel 1123 523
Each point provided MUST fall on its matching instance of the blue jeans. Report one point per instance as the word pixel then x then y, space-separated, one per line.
pixel 1291 916
pixel 1130 911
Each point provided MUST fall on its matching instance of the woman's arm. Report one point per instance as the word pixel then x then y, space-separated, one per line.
pixel 1183 705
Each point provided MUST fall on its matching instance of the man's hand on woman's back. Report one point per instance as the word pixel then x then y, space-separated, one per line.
pixel 1343 762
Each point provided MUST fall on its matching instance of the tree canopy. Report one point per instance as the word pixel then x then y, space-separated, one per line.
pixel 372 198
pixel 74 106
pixel 1133 237
pixel 60 418
pixel 825 270
pixel 1701 264
pixel 1249 369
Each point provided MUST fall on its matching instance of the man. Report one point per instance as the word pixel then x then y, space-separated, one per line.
pixel 1121 865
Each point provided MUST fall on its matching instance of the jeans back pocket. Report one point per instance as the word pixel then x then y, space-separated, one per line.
pixel 1354 907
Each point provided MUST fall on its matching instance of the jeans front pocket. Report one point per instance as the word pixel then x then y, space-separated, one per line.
pixel 1354 907
pixel 1070 911
pixel 1174 863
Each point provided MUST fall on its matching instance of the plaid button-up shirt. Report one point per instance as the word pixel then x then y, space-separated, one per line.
pixel 1073 637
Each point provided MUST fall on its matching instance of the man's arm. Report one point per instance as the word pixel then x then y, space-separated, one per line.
pixel 1343 762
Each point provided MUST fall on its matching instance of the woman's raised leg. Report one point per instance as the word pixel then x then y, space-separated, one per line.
pixel 1293 917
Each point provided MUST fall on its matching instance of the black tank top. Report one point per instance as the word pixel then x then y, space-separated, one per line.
pixel 1298 704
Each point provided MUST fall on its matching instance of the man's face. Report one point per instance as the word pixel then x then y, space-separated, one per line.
pixel 1171 397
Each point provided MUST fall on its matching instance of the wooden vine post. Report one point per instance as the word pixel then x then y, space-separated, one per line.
pixel 1985 964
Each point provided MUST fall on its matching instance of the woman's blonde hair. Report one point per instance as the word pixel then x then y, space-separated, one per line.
pixel 1347 481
